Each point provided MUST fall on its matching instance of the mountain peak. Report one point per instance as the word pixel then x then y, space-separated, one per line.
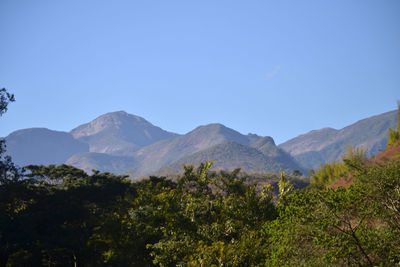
pixel 218 131
pixel 113 120
pixel 31 131
pixel 264 141
pixel 119 131
pixel 117 116
pixel 120 112
pixel 210 126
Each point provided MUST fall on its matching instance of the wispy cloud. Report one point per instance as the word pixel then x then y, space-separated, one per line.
pixel 272 73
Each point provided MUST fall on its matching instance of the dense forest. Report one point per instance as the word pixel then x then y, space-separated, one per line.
pixel 61 216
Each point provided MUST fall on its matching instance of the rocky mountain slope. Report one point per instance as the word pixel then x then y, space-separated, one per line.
pixel 119 133
pixel 231 155
pixel 327 144
pixel 266 145
pixel 158 155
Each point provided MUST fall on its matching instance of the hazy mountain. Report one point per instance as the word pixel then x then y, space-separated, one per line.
pixel 231 155
pixel 119 133
pixel 153 157
pixel 122 143
pixel 327 144
pixel 42 146
pixel 102 162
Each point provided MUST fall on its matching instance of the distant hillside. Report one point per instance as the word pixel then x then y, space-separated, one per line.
pixel 326 145
pixel 163 153
pixel 42 146
pixel 228 156
pixel 102 162
pixel 119 133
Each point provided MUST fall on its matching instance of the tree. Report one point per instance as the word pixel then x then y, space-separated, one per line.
pixel 394 134
pixel 356 225
pixel 5 99
pixel 8 171
pixel 73 219
pixel 285 187
pixel 13 194
pixel 353 160
pixel 216 221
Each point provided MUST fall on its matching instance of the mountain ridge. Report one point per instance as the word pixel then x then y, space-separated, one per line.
pixel 163 153
pixel 42 146
pixel 229 156
pixel 124 143
pixel 327 144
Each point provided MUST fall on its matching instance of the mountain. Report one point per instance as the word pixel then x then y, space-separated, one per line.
pixel 119 133
pixel 42 146
pixel 155 156
pixel 102 162
pixel 122 143
pixel 327 144
pixel 229 148
pixel 266 145
pixel 228 156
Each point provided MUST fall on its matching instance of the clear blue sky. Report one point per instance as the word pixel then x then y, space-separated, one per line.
pixel 278 68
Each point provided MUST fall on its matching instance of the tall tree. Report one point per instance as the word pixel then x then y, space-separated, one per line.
pixel 5 99
pixel 11 191
pixel 394 134
pixel 8 171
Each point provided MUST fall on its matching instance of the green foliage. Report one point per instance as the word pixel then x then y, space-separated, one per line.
pixel 9 173
pixel 353 159
pixel 248 251
pixel 328 173
pixel 5 99
pixel 382 182
pixel 357 225
pixel 393 137
pixel 285 187
pixel 394 134
pixel 222 217
pixel 56 212
pixel 61 216
pixel 14 198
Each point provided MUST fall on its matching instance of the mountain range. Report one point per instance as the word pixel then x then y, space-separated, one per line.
pixel 122 143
